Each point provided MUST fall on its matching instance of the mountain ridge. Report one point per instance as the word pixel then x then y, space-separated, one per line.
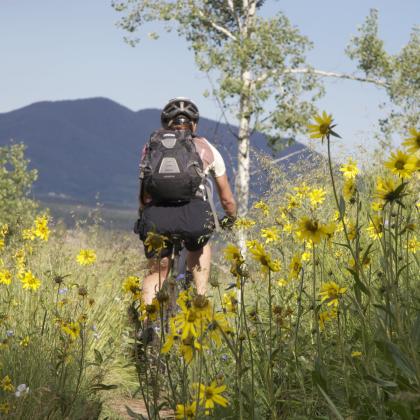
pixel 83 147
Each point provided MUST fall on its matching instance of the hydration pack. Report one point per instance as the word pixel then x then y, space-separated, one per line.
pixel 171 170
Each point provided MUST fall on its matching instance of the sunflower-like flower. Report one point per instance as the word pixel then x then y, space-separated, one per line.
pixel 211 395
pixel 86 257
pixel 349 169
pixel 401 164
pixel 5 277
pixel 230 302
pixel 311 230
pixel 326 316
pixel 349 189
pixel 322 127
pixel 29 281
pixel 188 322
pixel 331 292
pixel 186 411
pixel 260 255
pixel 72 329
pixel 131 284
pixel 155 242
pixel 233 254
pixel 41 229
pixel 412 143
pixel 388 191
pixel 376 227
pixel 244 223
pixel 413 246
pixel 6 384
pixel 317 196
pixel 261 205
pixel 150 311
pixel 270 234
pixel 295 267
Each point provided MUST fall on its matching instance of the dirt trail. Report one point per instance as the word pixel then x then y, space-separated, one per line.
pixel 118 406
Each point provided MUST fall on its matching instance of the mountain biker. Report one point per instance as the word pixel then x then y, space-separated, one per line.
pixel 191 218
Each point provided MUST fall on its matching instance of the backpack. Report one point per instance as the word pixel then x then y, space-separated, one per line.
pixel 171 170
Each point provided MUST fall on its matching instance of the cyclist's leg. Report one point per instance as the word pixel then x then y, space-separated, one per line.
pixel 157 269
pixel 198 262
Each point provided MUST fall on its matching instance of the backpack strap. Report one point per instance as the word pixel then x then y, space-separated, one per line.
pixel 209 195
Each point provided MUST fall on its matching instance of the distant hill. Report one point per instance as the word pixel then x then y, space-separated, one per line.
pixel 88 147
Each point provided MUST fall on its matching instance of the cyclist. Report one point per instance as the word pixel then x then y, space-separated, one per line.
pixel 191 218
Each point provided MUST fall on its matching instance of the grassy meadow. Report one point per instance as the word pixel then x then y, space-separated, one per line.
pixel 313 308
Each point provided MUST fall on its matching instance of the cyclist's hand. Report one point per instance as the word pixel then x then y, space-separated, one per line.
pixel 227 222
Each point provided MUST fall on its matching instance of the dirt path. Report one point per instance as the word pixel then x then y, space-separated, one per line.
pixel 137 406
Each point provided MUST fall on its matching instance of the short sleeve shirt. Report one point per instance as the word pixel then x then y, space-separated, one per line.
pixel 212 160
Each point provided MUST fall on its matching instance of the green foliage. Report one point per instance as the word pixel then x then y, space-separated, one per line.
pixel 398 73
pixel 15 184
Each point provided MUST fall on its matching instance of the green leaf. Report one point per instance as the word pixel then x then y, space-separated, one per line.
pixel 331 404
pixel 98 357
pixel 342 206
pixel 397 357
pixel 382 382
pixel 359 282
pixel 400 409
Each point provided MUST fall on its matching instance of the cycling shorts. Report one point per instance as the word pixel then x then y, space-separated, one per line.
pixel 193 221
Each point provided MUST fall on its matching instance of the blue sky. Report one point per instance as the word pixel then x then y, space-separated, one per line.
pixel 60 49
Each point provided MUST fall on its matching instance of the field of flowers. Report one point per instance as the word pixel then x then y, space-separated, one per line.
pixel 316 314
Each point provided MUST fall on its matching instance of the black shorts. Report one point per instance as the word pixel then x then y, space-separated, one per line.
pixel 193 221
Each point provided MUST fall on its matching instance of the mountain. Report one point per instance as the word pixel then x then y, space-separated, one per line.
pixel 87 150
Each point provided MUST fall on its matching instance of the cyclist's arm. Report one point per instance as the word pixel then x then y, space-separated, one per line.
pixel 225 194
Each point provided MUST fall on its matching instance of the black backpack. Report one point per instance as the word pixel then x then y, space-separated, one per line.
pixel 171 170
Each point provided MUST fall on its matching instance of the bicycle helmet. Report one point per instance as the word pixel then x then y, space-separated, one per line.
pixel 177 108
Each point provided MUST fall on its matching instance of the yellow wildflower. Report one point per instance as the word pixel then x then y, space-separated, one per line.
pixel 189 322
pixel 29 281
pixel 264 259
pixel 326 316
pixel 25 341
pixel 186 411
pixel 413 246
pixel 401 164
pixel 317 196
pixel 28 234
pixel 387 189
pixel 282 282
pixel 131 284
pixel 322 126
pixel 295 267
pixel 6 384
pixel 5 277
pixel 270 234
pixel 86 257
pixel 356 354
pixel 293 202
pixel 306 256
pixel 210 395
pixel 312 230
pixel 263 207
pixel 232 253
pixel 349 188
pixel 155 242
pixel 5 407
pixel 230 302
pixel 187 348
pixel 375 228
pixel 151 311
pixel 301 190
pixel 331 292
pixel 244 223
pixel 377 206
pixel 349 169
pixel 413 143
pixel 72 329
pixel 41 229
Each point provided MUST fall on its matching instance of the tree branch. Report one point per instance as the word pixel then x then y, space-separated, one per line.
pixel 216 26
pixel 321 73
